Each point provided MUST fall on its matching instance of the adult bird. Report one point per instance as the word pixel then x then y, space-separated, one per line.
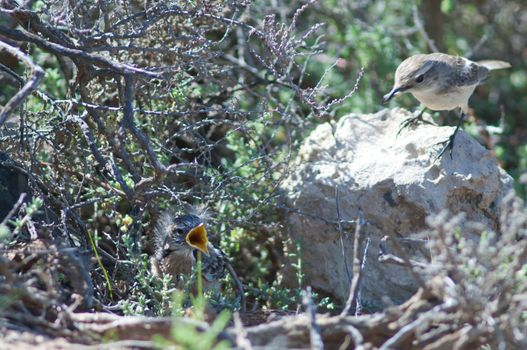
pixel 442 82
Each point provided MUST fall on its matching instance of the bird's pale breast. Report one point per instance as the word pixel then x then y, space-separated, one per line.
pixel 446 100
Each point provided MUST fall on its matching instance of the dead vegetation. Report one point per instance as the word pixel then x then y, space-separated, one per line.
pixel 473 297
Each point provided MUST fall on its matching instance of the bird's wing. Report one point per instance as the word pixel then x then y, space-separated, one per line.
pixel 213 265
pixel 467 73
pixel 162 230
pixel 494 64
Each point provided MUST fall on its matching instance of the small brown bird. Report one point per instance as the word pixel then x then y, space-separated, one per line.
pixel 176 241
pixel 442 82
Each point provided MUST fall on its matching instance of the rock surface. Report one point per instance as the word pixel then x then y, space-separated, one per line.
pixel 394 183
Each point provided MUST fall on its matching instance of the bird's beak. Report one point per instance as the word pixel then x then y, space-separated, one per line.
pixel 395 91
pixel 197 238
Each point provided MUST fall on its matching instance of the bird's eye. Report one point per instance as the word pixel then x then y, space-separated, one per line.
pixel 420 78
pixel 179 231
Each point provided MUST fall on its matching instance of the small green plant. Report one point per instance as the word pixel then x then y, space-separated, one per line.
pixel 32 209
pixel 99 262
pixel 188 335
pixel 5 234
pixel 149 294
pixel 198 301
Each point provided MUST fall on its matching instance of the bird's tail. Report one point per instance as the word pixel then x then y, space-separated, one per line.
pixel 494 64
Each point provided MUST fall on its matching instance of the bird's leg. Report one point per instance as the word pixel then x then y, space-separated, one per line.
pixel 449 144
pixel 412 121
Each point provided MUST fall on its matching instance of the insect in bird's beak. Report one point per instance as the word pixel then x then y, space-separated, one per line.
pixel 197 238
pixel 395 91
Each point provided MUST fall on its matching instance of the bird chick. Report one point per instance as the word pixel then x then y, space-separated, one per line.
pixel 176 241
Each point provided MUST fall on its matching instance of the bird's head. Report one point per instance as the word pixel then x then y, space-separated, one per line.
pixel 187 232
pixel 416 73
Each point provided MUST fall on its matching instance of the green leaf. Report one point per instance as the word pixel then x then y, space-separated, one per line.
pixel 447 6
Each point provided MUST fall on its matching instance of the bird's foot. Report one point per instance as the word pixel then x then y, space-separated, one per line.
pixel 415 120
pixel 448 144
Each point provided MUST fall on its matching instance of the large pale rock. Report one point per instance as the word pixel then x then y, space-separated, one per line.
pixel 394 182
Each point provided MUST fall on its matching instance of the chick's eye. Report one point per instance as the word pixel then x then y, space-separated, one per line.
pixel 179 231
pixel 420 78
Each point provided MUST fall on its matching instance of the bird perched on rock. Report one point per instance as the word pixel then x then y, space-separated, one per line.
pixel 442 82
pixel 176 241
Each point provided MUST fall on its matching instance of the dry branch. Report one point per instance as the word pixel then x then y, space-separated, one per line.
pixel 74 54
pixel 36 75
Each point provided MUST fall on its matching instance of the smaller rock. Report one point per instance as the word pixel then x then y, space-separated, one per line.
pixel 12 185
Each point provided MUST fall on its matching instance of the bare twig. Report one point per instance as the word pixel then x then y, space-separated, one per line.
pixel 340 100
pixel 405 260
pixel 128 121
pixel 11 74
pixel 357 271
pixel 239 287
pixel 314 330
pixel 242 341
pixel 386 257
pixel 341 234
pixel 358 300
pixel 14 209
pixel 117 149
pixel 357 337
pixel 36 75
pixel 90 140
pixel 93 59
